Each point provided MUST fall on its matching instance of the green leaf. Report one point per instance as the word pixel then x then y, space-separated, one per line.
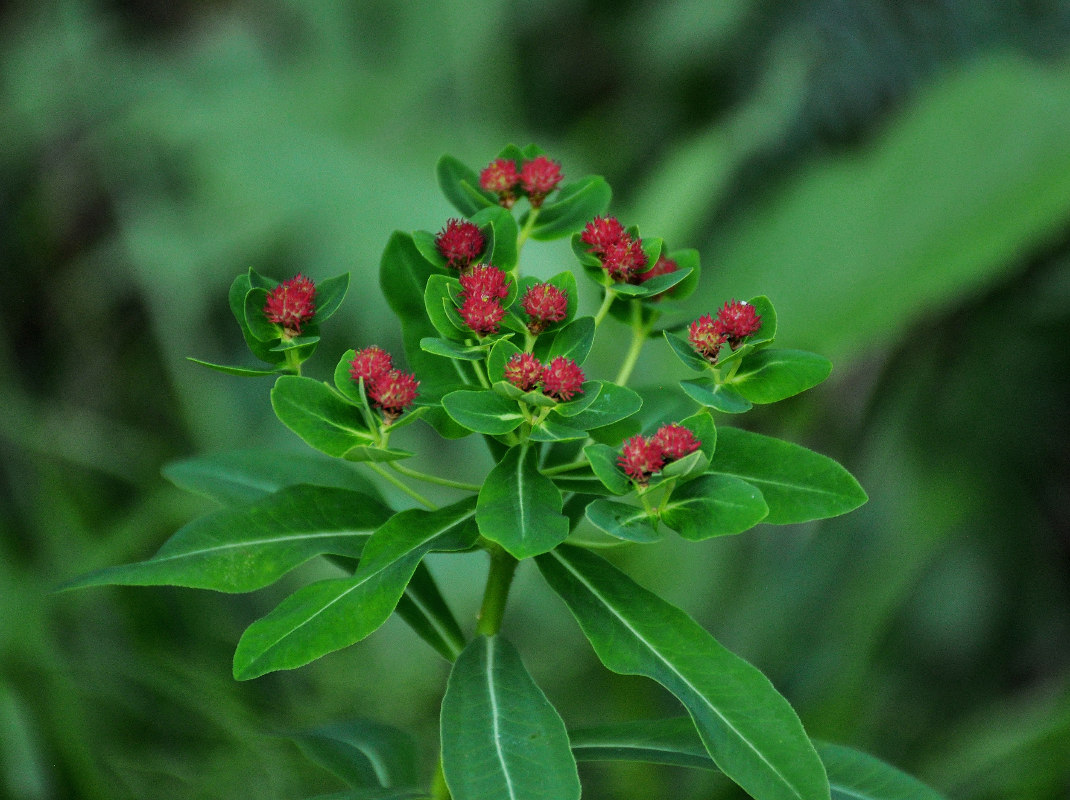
pixel 853 775
pixel 483 411
pixel 749 729
pixel 622 521
pixel 701 425
pixel 771 375
pixel 764 308
pixel 798 485
pixel 329 615
pixel 243 476
pixel 236 298
pixel 244 548
pixel 440 309
pixel 362 753
pixel 685 259
pixel 501 738
pixel 613 404
pixel 499 356
pixel 589 392
pixel 319 415
pixel 551 430
pixel 574 206
pixel 519 507
pixel 444 347
pixel 717 396
pixel 580 481
pixel 572 341
pixel 685 352
pixel 259 326
pixel 713 505
pixel 649 288
pixel 329 296
pixel 460 185
pixel 244 372
pixel 353 391
pixel 424 609
pixel 603 460
pixel 684 468
pixel 375 453
pixel 296 343
pixel 504 233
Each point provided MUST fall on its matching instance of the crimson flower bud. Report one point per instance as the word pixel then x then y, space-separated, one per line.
pixel 624 259
pixel 601 232
pixel 393 392
pixel 523 370
pixel 562 378
pixel 675 441
pixel 460 243
pixel 485 282
pixel 737 320
pixel 291 304
pixel 539 177
pixel 640 458
pixel 371 363
pixel 501 177
pixel 706 337
pixel 481 314
pixel 544 303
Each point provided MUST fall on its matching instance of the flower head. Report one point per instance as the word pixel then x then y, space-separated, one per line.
pixel 640 458
pixel 601 232
pixel 501 177
pixel 460 243
pixel 371 363
pixel 291 304
pixel 706 337
pixel 539 177
pixel 393 392
pixel 737 320
pixel 624 259
pixel 675 441
pixel 485 282
pixel 523 370
pixel 544 303
pixel 481 314
pixel 562 378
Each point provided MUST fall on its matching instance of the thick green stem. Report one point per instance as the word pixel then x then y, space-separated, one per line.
pixel 499 579
pixel 423 476
pixel 293 363
pixel 415 495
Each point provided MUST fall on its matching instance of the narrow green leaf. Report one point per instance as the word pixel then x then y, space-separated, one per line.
pixel 483 411
pixel 653 286
pixel 798 484
pixel 767 332
pixel 362 452
pixel 444 347
pixel 244 372
pixel 501 738
pixel 749 729
pixel 685 352
pixel 519 507
pixel 685 259
pixel 580 482
pixel 613 404
pixel 243 476
pixel 425 610
pixel 622 521
pixel 701 425
pixel 689 466
pixel 460 185
pixel 589 393
pixel 717 396
pixel 329 615
pixel 771 375
pixel 363 753
pixel 603 460
pixel 574 206
pixel 244 548
pixel 853 775
pixel 319 415
pixel 713 505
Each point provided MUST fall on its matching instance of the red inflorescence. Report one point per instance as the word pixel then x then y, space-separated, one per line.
pixel 482 315
pixel 737 320
pixel 291 304
pixel 460 243
pixel 389 389
pixel 544 303
pixel 562 378
pixel 486 282
pixel 501 177
pixel 393 392
pixel 675 441
pixel 524 371
pixel 706 337
pixel 640 458
pixel 624 260
pixel 371 363
pixel 539 177
pixel 601 232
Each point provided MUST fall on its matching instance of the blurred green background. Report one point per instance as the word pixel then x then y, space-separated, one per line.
pixel 894 175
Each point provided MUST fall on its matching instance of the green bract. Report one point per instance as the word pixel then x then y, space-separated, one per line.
pixel 557 481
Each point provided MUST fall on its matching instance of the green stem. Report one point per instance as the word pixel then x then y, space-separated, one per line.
pixel 499 579
pixel 525 232
pixel 293 363
pixel 439 789
pixel 415 495
pixel 423 476
pixel 639 335
pixel 478 366
pixel 564 467
pixel 607 301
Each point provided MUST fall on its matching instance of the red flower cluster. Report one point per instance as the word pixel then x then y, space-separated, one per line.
pixel 536 178
pixel 641 457
pixel 482 292
pixel 734 322
pixel 561 378
pixel 460 243
pixel 291 304
pixel 389 389
pixel 622 256
pixel 544 303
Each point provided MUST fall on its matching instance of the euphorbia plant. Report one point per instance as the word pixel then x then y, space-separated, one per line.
pixel 577 461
